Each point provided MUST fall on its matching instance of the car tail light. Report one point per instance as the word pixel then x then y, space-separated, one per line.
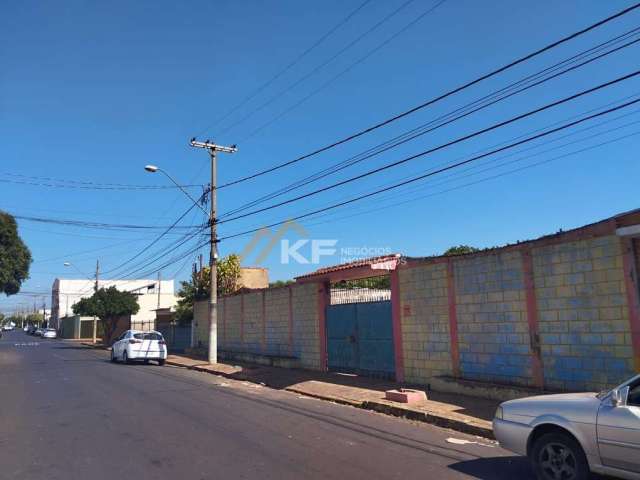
pixel 162 342
pixel 135 341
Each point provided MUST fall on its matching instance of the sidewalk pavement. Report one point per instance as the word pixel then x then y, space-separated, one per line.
pixel 457 412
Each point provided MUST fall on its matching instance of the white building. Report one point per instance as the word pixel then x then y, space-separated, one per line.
pixel 152 294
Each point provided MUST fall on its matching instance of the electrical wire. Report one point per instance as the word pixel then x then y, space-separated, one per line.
pixel 289 66
pixel 443 119
pixel 432 173
pixel 437 148
pixel 434 100
pixel 316 69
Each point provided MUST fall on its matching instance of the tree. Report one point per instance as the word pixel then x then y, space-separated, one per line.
pixel 281 283
pixel 461 250
pixel 108 304
pixel 35 319
pixel 229 271
pixel 15 257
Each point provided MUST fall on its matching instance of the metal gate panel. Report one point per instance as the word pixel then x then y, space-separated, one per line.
pixel 375 338
pixel 341 324
pixel 360 338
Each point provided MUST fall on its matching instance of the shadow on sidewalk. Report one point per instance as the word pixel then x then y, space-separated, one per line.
pixel 350 387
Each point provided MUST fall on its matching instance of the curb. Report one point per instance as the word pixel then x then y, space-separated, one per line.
pixel 393 410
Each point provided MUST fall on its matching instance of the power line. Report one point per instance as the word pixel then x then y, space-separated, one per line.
pixel 99 225
pixel 443 119
pixel 439 147
pixel 316 69
pixel 82 185
pixel 342 72
pixel 433 100
pixel 289 66
pixel 450 167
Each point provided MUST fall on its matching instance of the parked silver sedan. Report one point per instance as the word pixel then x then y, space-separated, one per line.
pixel 567 436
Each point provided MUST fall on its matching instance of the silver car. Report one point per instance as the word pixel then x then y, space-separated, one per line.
pixel 567 436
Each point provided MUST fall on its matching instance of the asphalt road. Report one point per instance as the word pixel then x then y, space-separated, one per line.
pixel 67 413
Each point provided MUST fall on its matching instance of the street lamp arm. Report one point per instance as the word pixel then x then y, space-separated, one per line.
pixel 182 189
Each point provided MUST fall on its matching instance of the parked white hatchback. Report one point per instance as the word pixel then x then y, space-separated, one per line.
pixel 567 436
pixel 49 333
pixel 139 345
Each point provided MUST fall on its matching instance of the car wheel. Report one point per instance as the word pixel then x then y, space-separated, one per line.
pixel 113 356
pixel 125 359
pixel 557 456
pixel 161 362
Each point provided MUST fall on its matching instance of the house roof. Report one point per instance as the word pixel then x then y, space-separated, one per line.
pixel 363 264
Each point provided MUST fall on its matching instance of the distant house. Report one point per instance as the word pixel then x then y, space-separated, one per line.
pixel 151 295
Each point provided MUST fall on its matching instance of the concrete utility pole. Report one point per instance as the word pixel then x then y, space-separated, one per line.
pixel 159 286
pixel 95 319
pixel 213 256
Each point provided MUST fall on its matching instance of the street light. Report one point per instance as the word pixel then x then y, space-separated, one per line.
pixel 154 169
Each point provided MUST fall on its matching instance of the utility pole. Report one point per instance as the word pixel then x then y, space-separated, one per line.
pixel 95 289
pixel 213 149
pixel 159 286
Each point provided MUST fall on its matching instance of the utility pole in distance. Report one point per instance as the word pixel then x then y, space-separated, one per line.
pixel 213 149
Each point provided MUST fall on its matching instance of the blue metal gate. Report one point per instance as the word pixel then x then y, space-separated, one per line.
pixel 178 337
pixel 360 338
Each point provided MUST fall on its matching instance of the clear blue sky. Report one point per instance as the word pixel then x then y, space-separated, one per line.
pixel 93 91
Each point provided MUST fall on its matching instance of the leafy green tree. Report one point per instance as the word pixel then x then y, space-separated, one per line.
pixel 281 283
pixel 15 256
pixel 461 250
pixel 229 271
pixel 35 319
pixel 108 304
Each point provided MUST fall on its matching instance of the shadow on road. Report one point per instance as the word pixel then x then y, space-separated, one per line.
pixel 494 468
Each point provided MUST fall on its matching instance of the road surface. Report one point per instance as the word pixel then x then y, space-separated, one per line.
pixel 68 413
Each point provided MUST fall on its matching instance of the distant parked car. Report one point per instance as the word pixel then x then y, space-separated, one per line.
pixel 49 333
pixel 32 330
pixel 139 345
pixel 7 327
pixel 39 332
pixel 25 328
pixel 568 436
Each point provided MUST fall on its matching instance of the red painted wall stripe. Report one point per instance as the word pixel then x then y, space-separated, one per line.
pixel 397 325
pixel 290 321
pixel 532 318
pixel 224 321
pixel 323 293
pixel 633 302
pixel 453 319
pixel 264 321
pixel 242 318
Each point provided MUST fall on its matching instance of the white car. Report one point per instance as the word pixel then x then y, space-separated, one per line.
pixel 7 327
pixel 49 333
pixel 25 328
pixel 567 436
pixel 139 345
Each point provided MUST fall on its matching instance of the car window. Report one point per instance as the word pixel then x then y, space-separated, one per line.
pixel 148 336
pixel 634 396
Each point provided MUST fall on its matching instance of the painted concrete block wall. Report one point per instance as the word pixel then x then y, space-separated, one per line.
pixel 277 321
pixel 201 323
pixel 425 322
pixel 583 317
pixel 232 338
pixel 306 341
pixel 493 332
pixel 252 326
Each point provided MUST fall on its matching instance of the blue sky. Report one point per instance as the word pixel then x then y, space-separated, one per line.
pixel 93 91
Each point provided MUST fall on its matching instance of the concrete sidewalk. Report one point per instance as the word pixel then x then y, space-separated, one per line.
pixel 458 412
